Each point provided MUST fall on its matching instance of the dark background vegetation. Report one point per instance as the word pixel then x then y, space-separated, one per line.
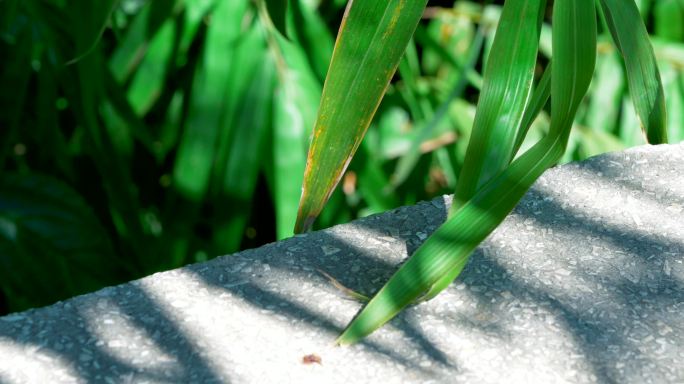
pixel 139 136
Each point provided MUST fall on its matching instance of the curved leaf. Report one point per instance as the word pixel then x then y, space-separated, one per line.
pixel 443 256
pixel 506 89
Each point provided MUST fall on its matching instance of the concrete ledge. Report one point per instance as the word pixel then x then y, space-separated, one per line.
pixel 583 283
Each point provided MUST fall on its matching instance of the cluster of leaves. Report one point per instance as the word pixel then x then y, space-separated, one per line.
pixel 138 136
pixel 495 173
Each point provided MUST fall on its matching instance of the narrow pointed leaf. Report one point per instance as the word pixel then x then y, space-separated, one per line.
pixel 148 82
pixel 631 37
pixel 507 86
pixel 371 41
pixel 196 151
pixel 539 98
pixel 448 249
pixel 242 131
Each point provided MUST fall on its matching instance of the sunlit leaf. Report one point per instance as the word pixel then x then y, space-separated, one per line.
pixel 372 39
pixel 243 130
pixel 507 86
pixel 442 257
pixel 192 169
pixel 298 94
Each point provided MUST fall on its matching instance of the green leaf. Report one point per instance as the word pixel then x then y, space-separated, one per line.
pixel 297 94
pixel 508 79
pixel 372 39
pixel 241 154
pixel 442 257
pixel 132 49
pixel 631 38
pixel 148 81
pixel 196 151
pixel 50 238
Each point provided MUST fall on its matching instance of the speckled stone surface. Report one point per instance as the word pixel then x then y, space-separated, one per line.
pixel 583 283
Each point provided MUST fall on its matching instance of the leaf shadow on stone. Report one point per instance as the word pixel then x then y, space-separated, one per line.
pixel 82 349
pixel 309 252
pixel 598 338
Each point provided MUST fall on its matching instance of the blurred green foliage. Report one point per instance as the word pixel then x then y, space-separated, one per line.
pixel 139 136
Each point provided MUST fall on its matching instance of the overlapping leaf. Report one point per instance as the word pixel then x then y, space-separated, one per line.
pixel 445 253
pixel 507 86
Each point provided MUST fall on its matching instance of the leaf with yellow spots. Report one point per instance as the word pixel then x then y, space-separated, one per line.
pixel 370 43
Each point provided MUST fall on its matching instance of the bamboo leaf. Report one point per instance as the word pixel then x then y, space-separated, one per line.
pixel 446 252
pixel 631 38
pixel 297 93
pixel 507 86
pixel 372 39
pixel 87 97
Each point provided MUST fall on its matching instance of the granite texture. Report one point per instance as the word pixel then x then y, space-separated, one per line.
pixel 582 283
